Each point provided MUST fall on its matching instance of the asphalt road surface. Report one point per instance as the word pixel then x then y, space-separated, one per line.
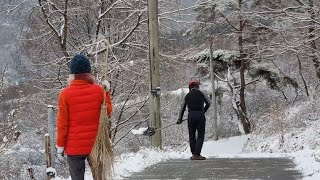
pixel 222 168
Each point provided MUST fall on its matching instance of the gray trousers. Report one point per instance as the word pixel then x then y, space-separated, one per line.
pixel 77 166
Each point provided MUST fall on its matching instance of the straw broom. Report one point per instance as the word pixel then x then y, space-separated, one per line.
pixel 102 157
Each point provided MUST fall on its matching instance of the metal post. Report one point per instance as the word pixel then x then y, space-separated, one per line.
pixel 51 134
pixel 51 173
pixel 214 104
pixel 154 71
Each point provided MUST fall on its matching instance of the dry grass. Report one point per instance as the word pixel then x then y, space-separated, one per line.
pixel 102 157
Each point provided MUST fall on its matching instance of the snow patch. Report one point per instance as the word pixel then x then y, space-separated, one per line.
pixel 5 139
pixel 232 145
pixel 127 164
pixel 205 53
pixel 300 144
pixel 12 112
pixel 140 131
pixel 181 91
pixel 309 163
pixel 51 171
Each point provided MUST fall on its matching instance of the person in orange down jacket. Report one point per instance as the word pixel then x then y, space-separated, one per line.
pixel 78 115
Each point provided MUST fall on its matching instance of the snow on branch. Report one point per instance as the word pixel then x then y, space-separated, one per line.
pixel 14 8
pixel 129 33
pixel 109 9
pixel 46 16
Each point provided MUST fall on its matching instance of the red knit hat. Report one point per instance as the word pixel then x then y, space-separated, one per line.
pixel 194 84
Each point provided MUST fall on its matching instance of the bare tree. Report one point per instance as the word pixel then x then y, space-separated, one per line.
pixel 59 29
pixel 243 61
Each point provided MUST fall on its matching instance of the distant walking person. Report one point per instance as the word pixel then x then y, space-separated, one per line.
pixel 195 101
pixel 78 115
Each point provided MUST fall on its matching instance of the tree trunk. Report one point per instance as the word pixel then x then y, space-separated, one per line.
pixel 243 110
pixel 313 45
pixel 214 104
pixel 301 75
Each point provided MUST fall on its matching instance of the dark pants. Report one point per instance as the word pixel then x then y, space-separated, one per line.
pixel 77 166
pixel 196 123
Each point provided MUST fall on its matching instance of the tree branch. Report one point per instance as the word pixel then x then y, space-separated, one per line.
pixel 48 21
pixel 228 21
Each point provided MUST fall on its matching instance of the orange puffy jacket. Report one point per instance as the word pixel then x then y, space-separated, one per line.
pixel 78 116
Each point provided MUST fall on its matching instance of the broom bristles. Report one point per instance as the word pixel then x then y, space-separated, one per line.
pixel 101 156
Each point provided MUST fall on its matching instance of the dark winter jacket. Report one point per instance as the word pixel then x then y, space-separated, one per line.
pixel 195 101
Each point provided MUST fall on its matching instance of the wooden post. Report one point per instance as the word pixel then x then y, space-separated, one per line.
pixel 156 139
pixel 51 134
pixel 214 104
pixel 50 174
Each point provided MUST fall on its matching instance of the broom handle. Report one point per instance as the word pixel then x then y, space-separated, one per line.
pixel 169 125
pixel 104 108
pixel 106 71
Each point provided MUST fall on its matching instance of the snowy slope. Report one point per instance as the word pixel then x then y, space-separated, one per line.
pixel 302 144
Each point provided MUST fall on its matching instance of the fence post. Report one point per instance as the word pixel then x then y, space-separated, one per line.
pixel 51 134
pixel 50 171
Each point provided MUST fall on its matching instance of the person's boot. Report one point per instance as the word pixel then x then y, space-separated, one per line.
pixel 198 157
pixel 192 157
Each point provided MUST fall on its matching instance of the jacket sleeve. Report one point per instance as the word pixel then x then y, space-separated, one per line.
pixel 182 109
pixel 109 104
pixel 62 120
pixel 206 101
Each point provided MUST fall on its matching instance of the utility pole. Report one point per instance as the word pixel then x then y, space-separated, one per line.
pixel 156 139
pixel 214 101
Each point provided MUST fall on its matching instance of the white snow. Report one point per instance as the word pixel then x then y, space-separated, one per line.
pixel 12 112
pixel 5 139
pixel 301 144
pixel 181 91
pixel 135 162
pixel 61 30
pixel 139 131
pixel 241 128
pixel 51 170
pixel 226 54
pixel 308 162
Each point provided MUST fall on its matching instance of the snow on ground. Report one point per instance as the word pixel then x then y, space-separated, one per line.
pixel 302 144
pixel 140 131
pixel 135 162
pixel 308 160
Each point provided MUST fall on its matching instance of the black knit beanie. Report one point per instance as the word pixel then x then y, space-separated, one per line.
pixel 80 64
